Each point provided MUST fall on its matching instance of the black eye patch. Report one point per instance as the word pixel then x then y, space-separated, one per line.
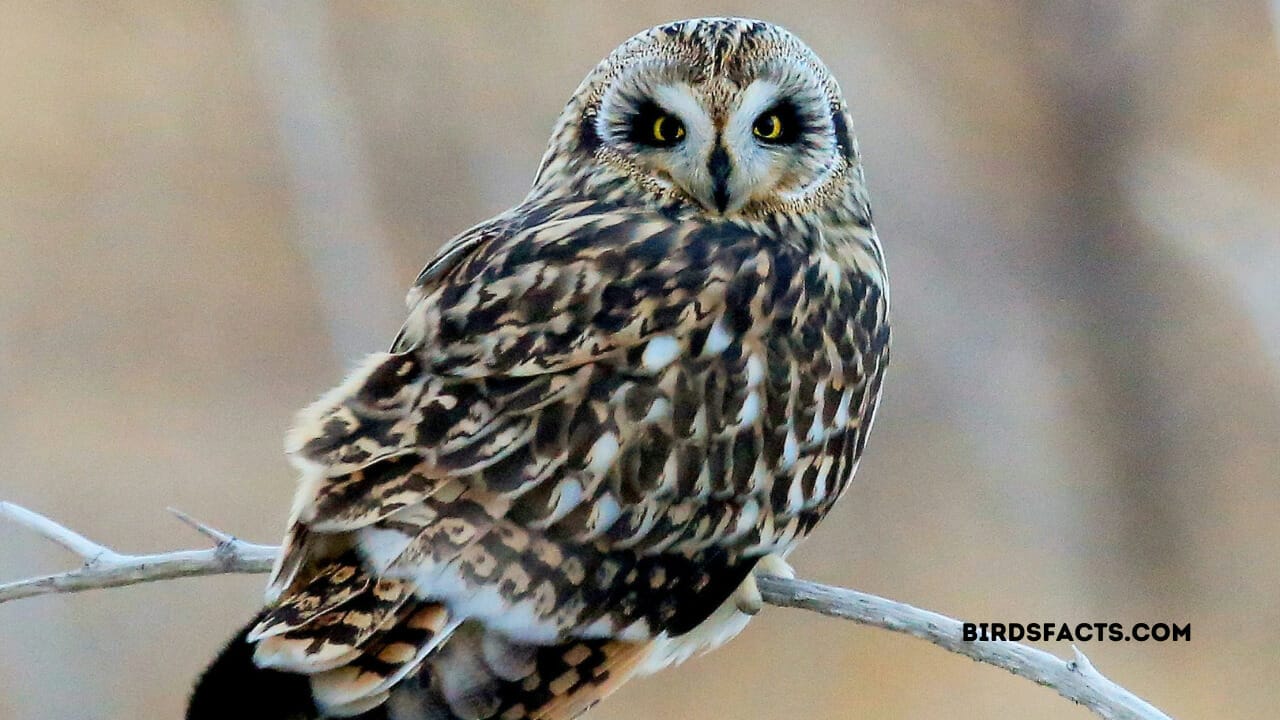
pixel 652 126
pixel 781 124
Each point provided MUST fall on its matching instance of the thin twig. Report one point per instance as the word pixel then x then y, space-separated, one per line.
pixel 1077 679
pixel 64 536
pixel 212 533
pixel 104 567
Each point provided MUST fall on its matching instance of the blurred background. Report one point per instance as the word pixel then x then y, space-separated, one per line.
pixel 209 211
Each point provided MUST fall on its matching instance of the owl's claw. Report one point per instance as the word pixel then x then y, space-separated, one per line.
pixel 776 566
pixel 748 598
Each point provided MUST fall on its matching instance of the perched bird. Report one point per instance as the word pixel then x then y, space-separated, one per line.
pixel 608 407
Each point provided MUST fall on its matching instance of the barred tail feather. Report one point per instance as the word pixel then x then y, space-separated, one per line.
pixel 387 659
pixel 427 667
pixel 478 675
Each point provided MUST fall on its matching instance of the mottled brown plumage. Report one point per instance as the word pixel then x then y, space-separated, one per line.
pixel 607 405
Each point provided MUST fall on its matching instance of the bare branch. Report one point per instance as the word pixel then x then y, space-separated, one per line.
pixel 1077 679
pixel 213 534
pixel 64 536
pixel 104 567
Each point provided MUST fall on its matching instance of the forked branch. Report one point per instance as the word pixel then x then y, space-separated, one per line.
pixel 104 567
pixel 1077 679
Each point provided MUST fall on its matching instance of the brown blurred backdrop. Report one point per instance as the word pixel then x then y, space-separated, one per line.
pixel 209 210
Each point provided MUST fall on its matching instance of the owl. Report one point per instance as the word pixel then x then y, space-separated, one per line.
pixel 608 408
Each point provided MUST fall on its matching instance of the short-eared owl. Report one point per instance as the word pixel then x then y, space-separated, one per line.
pixel 608 407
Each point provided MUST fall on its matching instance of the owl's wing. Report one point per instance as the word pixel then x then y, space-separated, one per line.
pixel 592 425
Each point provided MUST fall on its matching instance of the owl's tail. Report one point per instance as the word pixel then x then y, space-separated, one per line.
pixel 336 662
pixel 234 687
pixel 473 674
pixel 479 675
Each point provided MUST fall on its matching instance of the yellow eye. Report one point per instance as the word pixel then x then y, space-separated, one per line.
pixel 667 129
pixel 653 126
pixel 768 127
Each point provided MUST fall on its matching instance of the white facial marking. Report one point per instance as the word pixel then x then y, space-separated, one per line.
pixel 754 164
pixel 684 163
pixel 679 101
pixel 758 97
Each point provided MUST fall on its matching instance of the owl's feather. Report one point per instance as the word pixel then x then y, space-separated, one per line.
pixel 682 399
pixel 599 416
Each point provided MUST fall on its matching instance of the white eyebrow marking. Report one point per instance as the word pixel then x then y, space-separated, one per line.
pixel 679 100
pixel 758 97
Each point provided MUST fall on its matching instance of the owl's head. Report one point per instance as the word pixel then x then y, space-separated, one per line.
pixel 728 116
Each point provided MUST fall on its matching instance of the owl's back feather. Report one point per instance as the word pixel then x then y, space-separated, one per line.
pixel 597 419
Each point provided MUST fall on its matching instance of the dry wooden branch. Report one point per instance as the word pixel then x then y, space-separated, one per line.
pixel 104 567
pixel 1077 679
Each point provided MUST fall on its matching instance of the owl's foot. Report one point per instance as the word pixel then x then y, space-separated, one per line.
pixel 747 597
pixel 775 566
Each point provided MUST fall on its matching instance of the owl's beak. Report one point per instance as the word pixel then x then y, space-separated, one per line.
pixel 720 168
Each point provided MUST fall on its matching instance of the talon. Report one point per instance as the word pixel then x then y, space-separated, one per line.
pixel 747 597
pixel 775 566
